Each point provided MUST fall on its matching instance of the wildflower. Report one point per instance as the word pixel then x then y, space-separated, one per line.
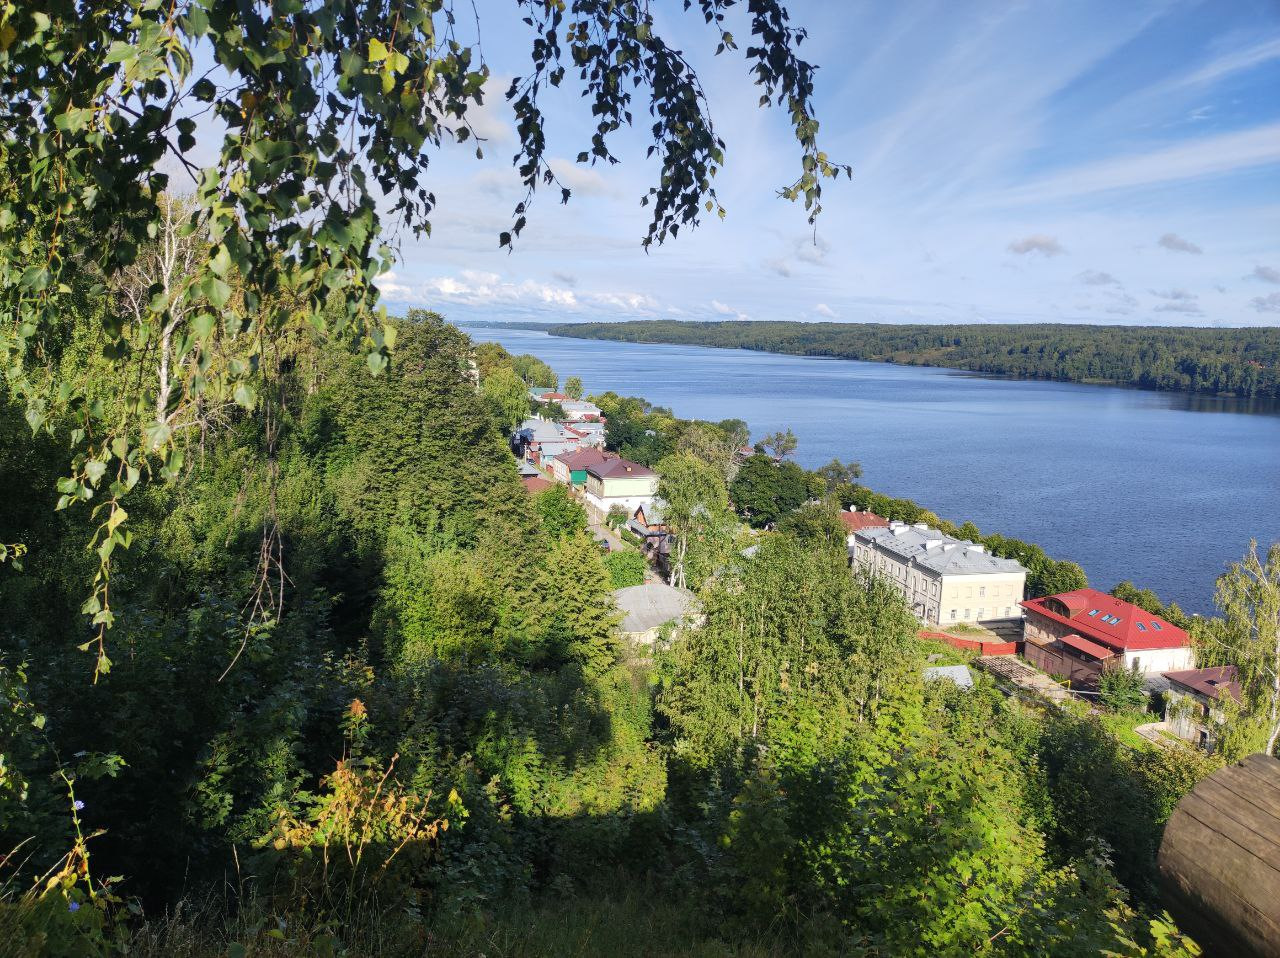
pixel 78 805
pixel 73 906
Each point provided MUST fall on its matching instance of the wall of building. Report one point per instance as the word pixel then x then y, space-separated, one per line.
pixel 1152 661
pixel 990 597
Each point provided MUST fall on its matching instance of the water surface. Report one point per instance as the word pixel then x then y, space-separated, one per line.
pixel 1160 488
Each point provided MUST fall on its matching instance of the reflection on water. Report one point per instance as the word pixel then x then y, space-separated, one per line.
pixel 1131 484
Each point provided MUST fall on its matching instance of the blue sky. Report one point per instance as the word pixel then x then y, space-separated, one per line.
pixel 1040 161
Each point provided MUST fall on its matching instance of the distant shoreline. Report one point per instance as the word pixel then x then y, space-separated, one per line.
pixel 1231 364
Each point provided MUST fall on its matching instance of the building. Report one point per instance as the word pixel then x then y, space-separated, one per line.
pixel 579 409
pixel 540 440
pixel 536 484
pixel 1193 703
pixel 1078 634
pixel 855 521
pixel 571 467
pixel 946 581
pixel 647 608
pixel 619 482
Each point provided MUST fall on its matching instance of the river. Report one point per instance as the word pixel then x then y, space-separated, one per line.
pixel 1163 489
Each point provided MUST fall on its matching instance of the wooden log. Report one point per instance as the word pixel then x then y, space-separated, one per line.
pixel 1220 861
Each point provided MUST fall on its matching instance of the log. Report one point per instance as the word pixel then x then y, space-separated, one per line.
pixel 1220 861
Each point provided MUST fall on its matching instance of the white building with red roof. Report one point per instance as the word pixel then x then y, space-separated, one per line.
pixel 1078 634
pixel 619 482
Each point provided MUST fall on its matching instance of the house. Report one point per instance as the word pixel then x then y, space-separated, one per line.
pixel 537 392
pixel 619 482
pixel 647 608
pixel 1078 634
pixel 855 521
pixel 579 409
pixel 540 440
pixel 945 580
pixel 536 484
pixel 1193 702
pixel 591 431
pixel 571 467
pixel 649 523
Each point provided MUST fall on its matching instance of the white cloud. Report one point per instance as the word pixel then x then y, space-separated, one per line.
pixel 1037 243
pixel 1266 304
pixel 1093 277
pixel 1206 156
pixel 567 279
pixel 1268 274
pixel 725 310
pixel 632 302
pixel 822 309
pixel 1178 301
pixel 1174 242
pixel 1233 63
pixel 581 180
pixel 779 266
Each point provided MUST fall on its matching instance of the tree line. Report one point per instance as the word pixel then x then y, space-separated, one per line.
pixel 1231 362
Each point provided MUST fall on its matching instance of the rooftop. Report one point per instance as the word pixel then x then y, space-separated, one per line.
pixel 1111 621
pixel 582 458
pixel 959 674
pixel 933 550
pixel 853 520
pixel 1210 683
pixel 616 467
pixel 536 484
pixel 651 605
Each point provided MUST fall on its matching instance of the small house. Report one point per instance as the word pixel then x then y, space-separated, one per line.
pixel 619 482
pixel 1193 703
pixel 571 467
pixel 647 608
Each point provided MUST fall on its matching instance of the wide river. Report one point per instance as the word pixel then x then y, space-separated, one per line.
pixel 1159 488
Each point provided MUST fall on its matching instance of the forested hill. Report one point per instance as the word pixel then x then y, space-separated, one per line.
pixel 1239 362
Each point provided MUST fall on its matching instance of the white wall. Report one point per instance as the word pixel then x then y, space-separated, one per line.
pixel 1160 660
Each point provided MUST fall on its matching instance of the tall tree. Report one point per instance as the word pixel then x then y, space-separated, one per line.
pixel 781 443
pixel 696 509
pixel 508 395
pixel 1248 637
pixel 573 387
pixel 332 114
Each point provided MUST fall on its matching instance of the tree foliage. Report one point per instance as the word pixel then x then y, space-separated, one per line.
pixel 1239 362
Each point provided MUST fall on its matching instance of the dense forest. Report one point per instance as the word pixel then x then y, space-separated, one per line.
pixel 1230 362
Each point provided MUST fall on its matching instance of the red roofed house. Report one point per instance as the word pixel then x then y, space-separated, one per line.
pixel 571 467
pixel 1192 706
pixel 1078 634
pixel 855 521
pixel 535 484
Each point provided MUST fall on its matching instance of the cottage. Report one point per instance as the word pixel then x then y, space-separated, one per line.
pixel 1193 703
pixel 619 482
pixel 647 608
pixel 1078 634
pixel 945 580
pixel 571 467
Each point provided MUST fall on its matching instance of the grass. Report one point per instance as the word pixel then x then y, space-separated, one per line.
pixel 630 922
pixel 1122 725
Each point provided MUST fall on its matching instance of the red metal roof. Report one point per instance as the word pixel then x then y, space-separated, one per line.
pixel 1209 682
pixel 536 484
pixel 1092 649
pixel 1113 622
pixel 854 521
pixel 614 468
pixel 581 458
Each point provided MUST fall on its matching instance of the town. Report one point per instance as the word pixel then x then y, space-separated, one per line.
pixel 1062 648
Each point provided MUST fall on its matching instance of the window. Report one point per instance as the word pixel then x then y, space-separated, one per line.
pixel 1137 662
pixel 1093 611
pixel 981 613
pixel 982 592
pixel 1141 627
pixel 953 614
pixel 1157 626
pixel 966 615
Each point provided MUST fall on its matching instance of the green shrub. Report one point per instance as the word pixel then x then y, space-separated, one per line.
pixel 626 568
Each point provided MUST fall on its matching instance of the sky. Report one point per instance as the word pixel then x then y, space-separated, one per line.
pixel 1038 161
